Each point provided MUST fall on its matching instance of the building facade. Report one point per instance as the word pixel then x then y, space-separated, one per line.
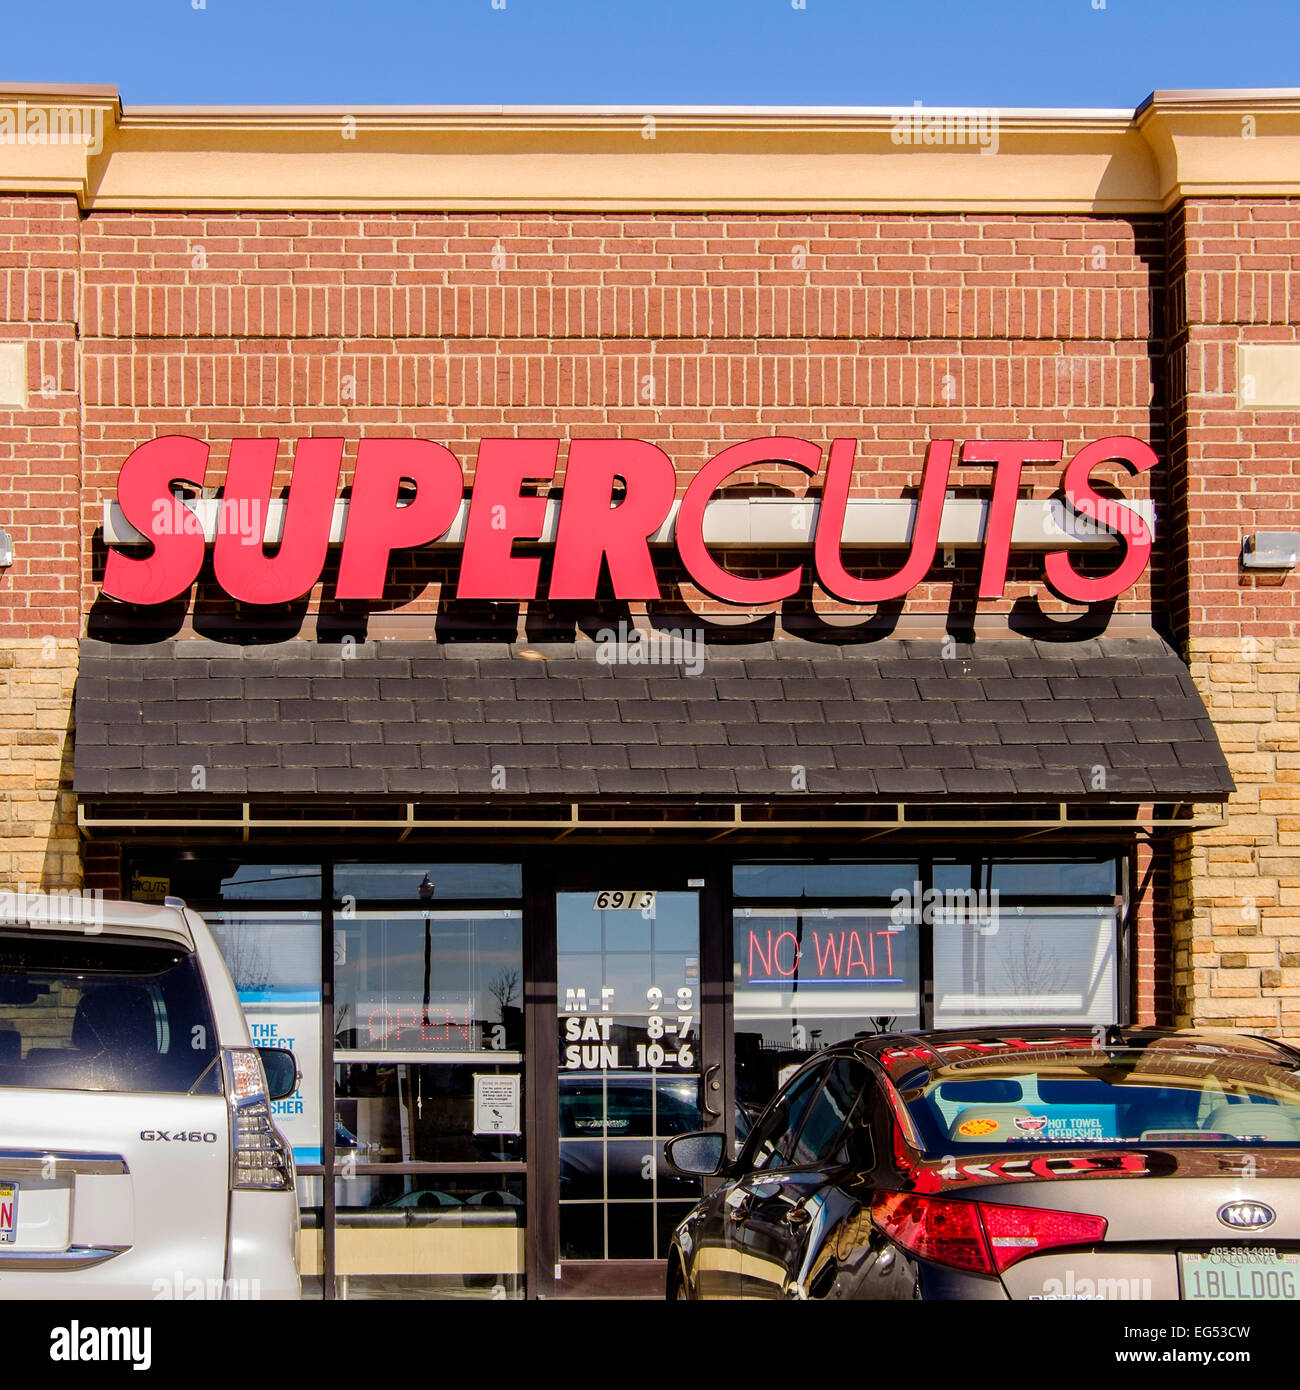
pixel 749 577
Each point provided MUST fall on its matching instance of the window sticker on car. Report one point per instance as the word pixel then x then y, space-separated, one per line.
pixel 977 1127
pixel 1094 1122
pixel 1077 1127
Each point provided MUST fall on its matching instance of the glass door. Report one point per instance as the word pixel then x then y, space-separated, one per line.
pixel 428 1102
pixel 631 1074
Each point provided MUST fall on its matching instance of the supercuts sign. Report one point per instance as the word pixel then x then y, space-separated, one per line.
pixel 617 494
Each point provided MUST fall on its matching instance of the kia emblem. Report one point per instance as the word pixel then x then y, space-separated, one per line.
pixel 1247 1216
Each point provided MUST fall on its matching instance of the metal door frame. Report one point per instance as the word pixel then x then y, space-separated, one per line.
pixel 668 869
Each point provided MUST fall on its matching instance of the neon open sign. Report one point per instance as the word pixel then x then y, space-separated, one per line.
pixel 442 1022
pixel 821 956
pixel 617 494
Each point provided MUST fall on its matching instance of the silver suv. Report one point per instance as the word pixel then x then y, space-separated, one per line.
pixel 138 1158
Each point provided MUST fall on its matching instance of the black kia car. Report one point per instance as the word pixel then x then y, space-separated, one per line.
pixel 1035 1164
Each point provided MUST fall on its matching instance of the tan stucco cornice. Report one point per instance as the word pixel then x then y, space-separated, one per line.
pixel 1224 144
pixel 52 166
pixel 494 158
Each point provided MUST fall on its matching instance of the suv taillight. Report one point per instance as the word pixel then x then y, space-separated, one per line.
pixel 983 1237
pixel 259 1157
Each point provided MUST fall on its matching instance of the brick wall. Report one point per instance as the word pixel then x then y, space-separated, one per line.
pixel 40 610
pixel 689 331
pixel 1150 972
pixel 1235 470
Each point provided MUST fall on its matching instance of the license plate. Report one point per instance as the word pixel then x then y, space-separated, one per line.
pixel 1238 1273
pixel 8 1212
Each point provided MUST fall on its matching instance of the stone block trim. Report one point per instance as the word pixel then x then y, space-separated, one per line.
pixel 1237 890
pixel 38 819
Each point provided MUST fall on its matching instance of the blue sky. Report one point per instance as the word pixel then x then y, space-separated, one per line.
pixel 1096 53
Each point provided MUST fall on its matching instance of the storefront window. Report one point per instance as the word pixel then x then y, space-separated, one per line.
pixel 445 1235
pixel 424 1003
pixel 1026 965
pixel 1014 940
pixel 274 959
pixel 272 881
pixel 429 983
pixel 311 1234
pixel 1025 878
pixel 403 882
pixel 824 880
pixel 208 879
pixel 428 1050
pixel 806 979
pixel 402 1112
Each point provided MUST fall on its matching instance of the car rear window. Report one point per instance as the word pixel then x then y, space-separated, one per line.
pixel 95 1013
pixel 1111 1096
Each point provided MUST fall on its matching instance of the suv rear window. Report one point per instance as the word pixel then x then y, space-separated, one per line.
pixel 81 1013
pixel 1158 1095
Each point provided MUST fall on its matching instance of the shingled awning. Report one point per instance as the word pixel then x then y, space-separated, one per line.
pixel 1103 720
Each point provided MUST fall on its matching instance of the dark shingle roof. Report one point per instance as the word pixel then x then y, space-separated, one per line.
pixel 1109 719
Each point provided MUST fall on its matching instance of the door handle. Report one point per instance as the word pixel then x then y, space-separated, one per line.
pixel 798 1216
pixel 709 1085
pixel 739 1210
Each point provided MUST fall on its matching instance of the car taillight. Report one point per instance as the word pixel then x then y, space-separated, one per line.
pixel 983 1237
pixel 1015 1232
pixel 934 1228
pixel 259 1157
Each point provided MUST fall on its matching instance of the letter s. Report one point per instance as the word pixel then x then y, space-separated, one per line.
pixel 1061 574
pixel 147 476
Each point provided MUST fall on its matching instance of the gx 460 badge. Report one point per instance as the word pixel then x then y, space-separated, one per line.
pixel 164 1136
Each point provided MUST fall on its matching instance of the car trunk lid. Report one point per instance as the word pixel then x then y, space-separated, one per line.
pixel 1197 1218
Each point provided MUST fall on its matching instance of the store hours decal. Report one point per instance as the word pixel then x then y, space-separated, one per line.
pixel 595 1042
